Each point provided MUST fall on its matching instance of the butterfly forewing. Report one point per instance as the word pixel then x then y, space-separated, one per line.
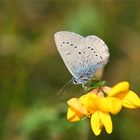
pixel 67 44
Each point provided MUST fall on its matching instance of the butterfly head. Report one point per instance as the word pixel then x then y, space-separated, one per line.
pixel 81 80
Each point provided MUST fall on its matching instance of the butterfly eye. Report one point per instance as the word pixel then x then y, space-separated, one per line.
pixel 75 81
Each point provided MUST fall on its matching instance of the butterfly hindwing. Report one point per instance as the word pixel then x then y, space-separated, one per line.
pixel 93 54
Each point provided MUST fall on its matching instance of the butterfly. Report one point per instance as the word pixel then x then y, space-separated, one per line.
pixel 83 56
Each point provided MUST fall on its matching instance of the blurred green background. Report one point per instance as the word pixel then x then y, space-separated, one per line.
pixel 32 71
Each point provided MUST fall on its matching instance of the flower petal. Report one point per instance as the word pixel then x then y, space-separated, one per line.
pixel 88 102
pixel 106 120
pixel 75 104
pixel 107 104
pixel 120 90
pixel 96 123
pixel 131 100
pixel 72 116
pixel 115 105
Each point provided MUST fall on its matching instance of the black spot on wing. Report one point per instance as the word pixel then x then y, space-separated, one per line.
pixel 68 53
pixel 101 57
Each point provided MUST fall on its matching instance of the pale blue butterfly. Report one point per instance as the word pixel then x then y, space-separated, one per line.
pixel 82 56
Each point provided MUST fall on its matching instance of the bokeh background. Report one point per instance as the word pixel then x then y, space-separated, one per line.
pixel 32 71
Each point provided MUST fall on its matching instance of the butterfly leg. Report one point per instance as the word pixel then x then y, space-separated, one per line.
pixel 85 88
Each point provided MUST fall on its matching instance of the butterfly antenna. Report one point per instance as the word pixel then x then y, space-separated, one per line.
pixel 64 87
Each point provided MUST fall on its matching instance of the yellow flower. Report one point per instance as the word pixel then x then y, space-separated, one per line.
pixel 98 107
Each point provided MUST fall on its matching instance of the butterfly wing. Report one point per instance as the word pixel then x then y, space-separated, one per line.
pixel 82 56
pixel 67 44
